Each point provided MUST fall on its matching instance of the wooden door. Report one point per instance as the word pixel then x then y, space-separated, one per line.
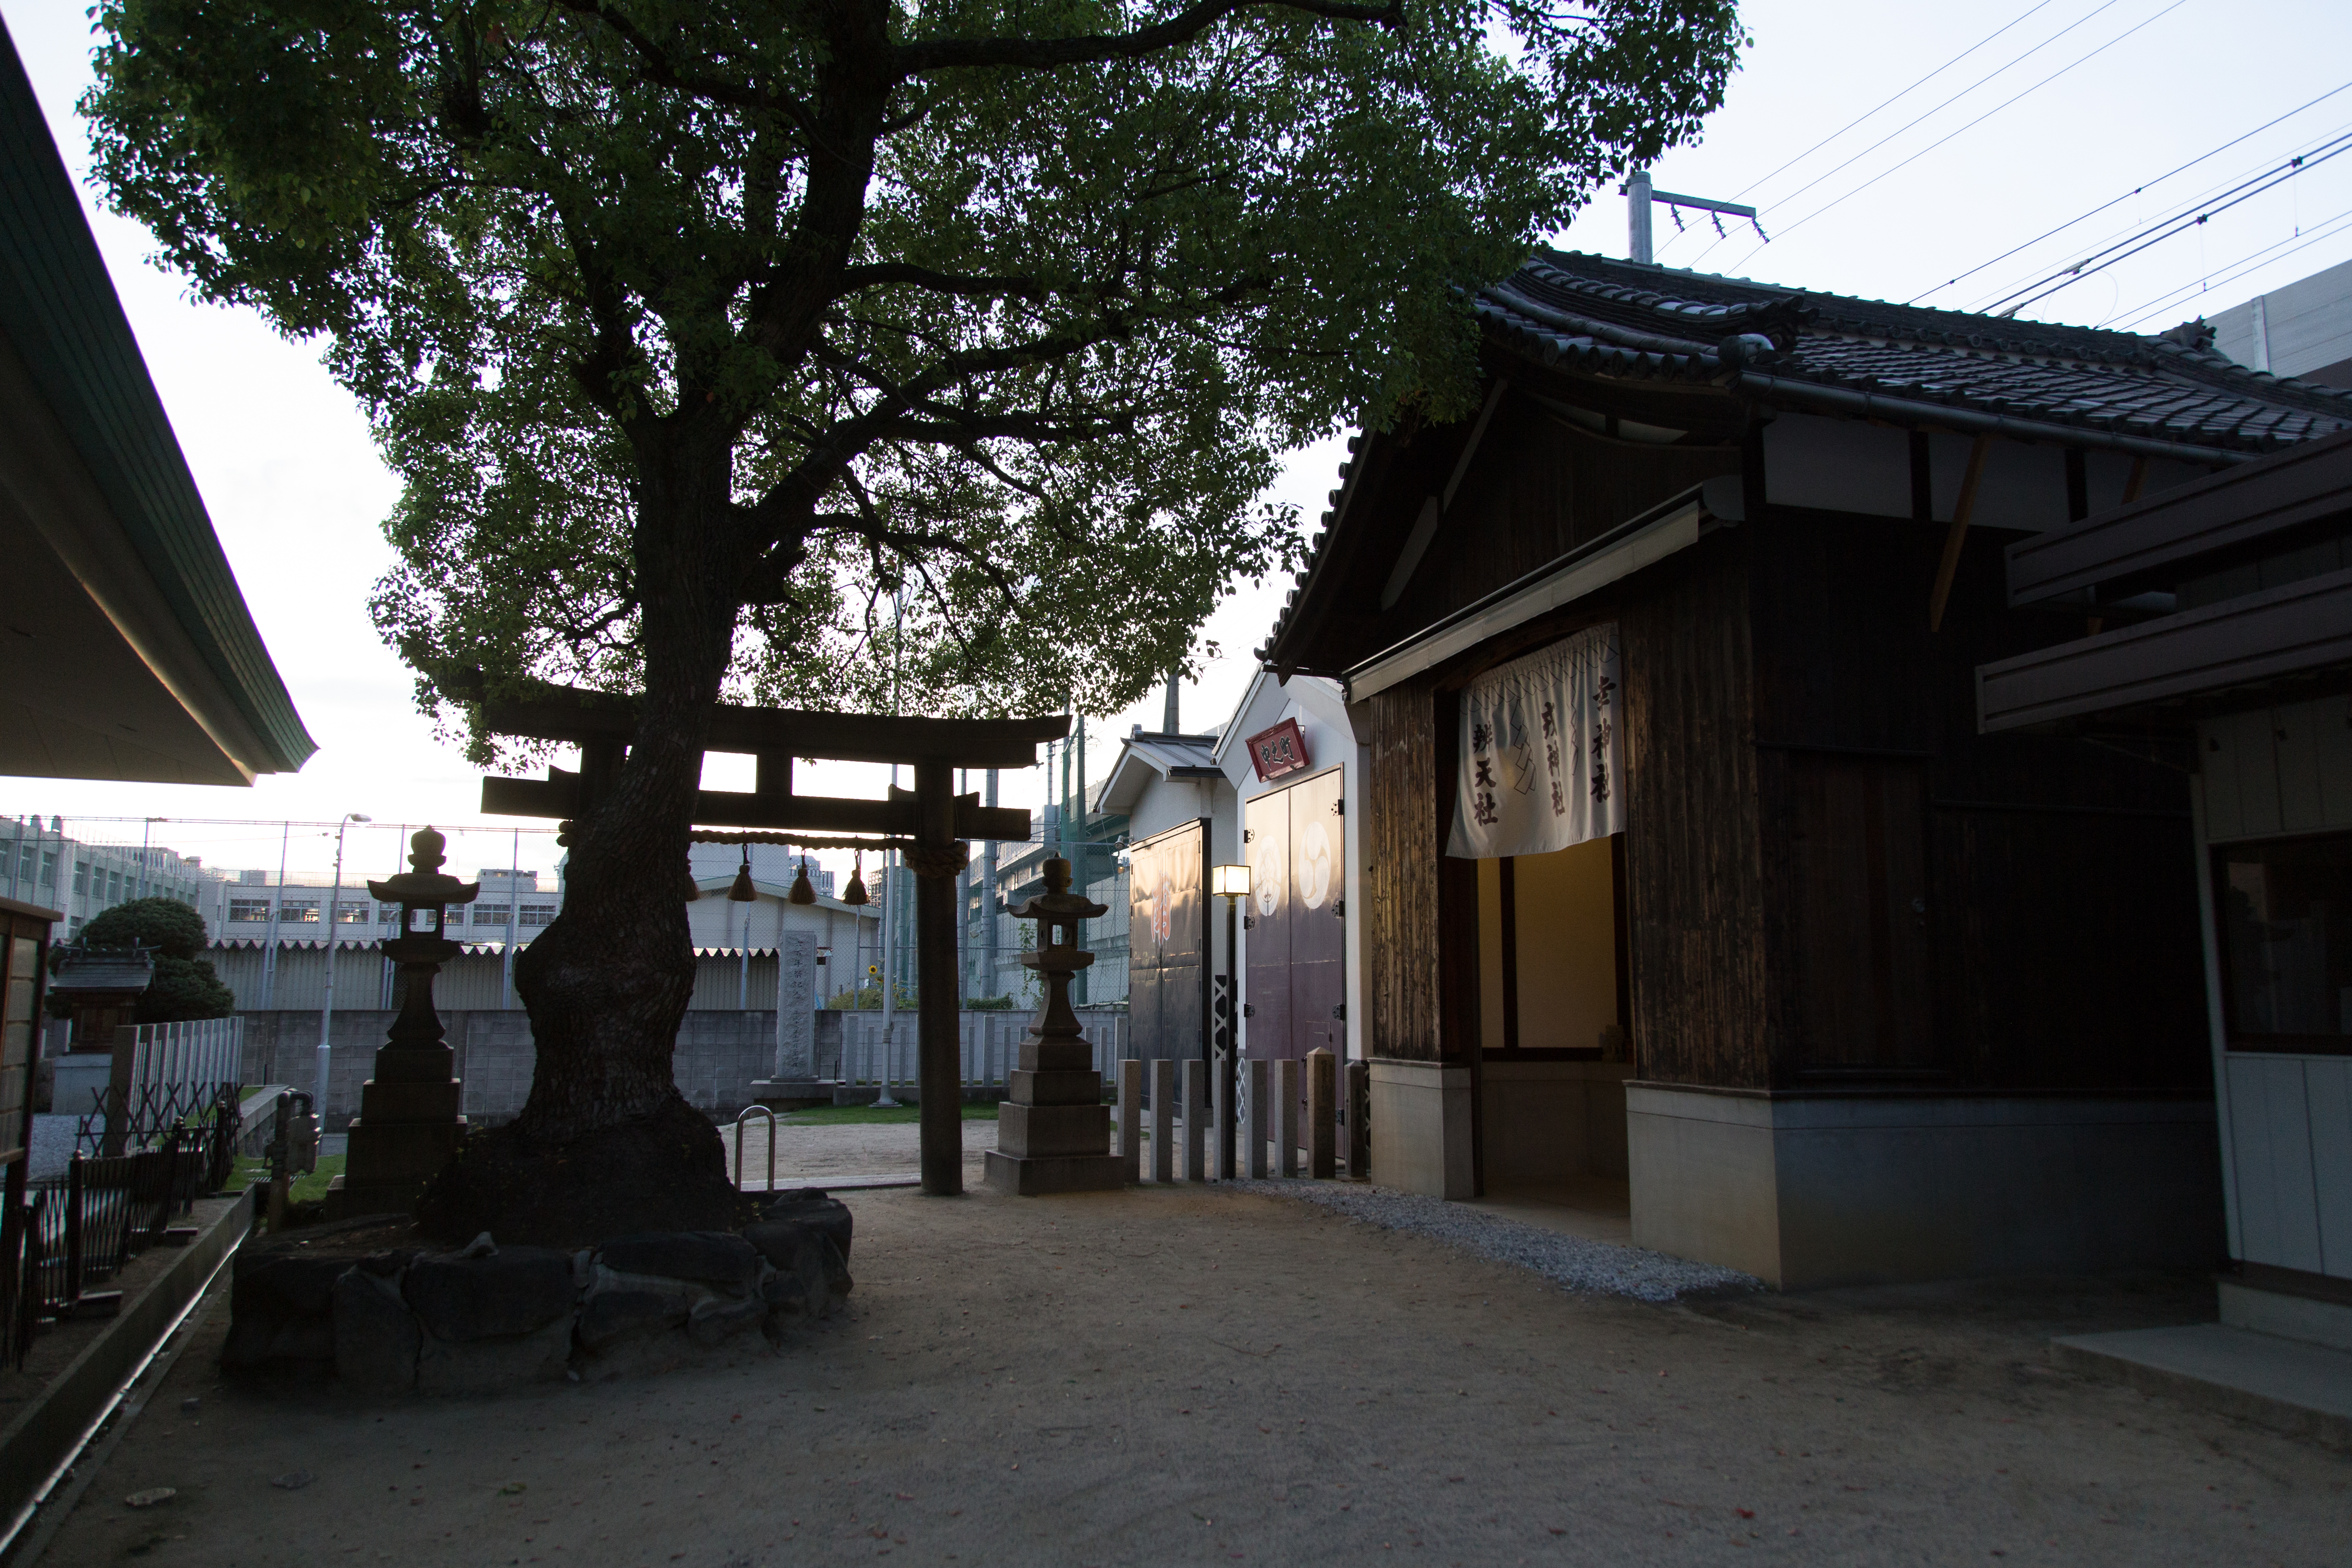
pixel 1862 948
pixel 1318 946
pixel 1167 944
pixel 1266 823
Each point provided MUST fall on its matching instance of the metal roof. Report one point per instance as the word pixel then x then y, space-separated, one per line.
pixel 146 535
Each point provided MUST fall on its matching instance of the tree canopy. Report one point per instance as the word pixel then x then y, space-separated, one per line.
pixel 711 327
pixel 166 924
pixel 185 986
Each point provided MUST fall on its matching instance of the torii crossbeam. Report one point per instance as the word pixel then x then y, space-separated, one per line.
pixel 932 815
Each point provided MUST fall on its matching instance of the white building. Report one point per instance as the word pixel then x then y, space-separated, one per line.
pixel 513 907
pixel 44 864
pixel 2303 330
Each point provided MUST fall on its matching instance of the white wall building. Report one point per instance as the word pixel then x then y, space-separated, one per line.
pixel 40 863
pixel 2303 330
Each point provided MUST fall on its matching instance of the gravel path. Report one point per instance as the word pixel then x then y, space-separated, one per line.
pixel 1570 1261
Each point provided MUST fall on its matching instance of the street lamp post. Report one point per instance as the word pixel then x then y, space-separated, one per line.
pixel 1230 883
pixel 327 1012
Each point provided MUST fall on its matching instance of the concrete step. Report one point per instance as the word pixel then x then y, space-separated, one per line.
pixel 2304 1389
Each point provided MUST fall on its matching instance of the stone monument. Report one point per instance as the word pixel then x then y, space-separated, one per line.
pixel 408 1126
pixel 1052 1132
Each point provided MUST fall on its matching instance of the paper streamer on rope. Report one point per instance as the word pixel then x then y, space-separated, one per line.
pixel 1539 751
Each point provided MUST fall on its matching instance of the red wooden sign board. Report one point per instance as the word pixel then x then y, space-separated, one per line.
pixel 1278 751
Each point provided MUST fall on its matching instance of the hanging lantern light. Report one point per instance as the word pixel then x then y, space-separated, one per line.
pixel 693 889
pixel 742 892
pixel 855 892
pixel 803 891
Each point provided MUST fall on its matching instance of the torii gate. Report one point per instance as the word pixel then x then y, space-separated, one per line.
pixel 926 823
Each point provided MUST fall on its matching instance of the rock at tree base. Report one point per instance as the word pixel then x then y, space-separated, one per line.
pixel 666 1170
pixel 827 1214
pixel 493 1366
pixel 707 1258
pixel 376 1337
pixel 514 1291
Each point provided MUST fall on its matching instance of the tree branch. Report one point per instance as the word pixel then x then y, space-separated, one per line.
pixel 659 69
pixel 1088 49
pixel 856 277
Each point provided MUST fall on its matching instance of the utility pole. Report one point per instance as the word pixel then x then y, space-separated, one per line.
pixel 327 1011
pixel 1641 197
pixel 146 831
pixel 277 901
pixel 1168 721
pixel 988 895
pixel 514 910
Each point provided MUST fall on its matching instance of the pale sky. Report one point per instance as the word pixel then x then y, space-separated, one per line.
pixel 2082 101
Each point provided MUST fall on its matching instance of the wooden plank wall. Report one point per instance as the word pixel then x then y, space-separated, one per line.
pixel 2062 897
pixel 1401 901
pixel 1538 488
pixel 1694 863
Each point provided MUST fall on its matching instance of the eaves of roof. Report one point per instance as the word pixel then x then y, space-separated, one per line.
pixel 2167 396
pixel 59 311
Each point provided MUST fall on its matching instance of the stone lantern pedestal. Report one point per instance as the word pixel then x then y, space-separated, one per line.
pixel 1053 1131
pixel 408 1126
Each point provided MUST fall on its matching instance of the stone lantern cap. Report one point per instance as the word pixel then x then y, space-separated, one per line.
pixel 424 883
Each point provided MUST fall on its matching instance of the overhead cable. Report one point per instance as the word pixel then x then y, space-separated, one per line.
pixel 1947 137
pixel 2261 184
pixel 1931 114
pixel 2135 190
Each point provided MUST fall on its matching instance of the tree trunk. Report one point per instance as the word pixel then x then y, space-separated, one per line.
pixel 605 1144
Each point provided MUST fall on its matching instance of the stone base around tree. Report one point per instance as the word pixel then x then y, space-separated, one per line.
pixel 354 1302
pixel 1039 1175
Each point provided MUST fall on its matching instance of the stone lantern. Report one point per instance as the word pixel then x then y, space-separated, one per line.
pixel 1052 1132
pixel 408 1126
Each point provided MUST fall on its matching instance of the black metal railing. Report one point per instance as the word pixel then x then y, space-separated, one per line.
pixel 81 1226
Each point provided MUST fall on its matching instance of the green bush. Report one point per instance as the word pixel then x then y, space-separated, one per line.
pixel 166 924
pixel 185 986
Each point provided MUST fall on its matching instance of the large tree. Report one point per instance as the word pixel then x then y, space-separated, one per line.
pixel 696 331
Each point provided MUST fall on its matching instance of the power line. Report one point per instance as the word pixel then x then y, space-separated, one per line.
pixel 1956 59
pixel 2260 184
pixel 1946 139
pixel 1930 114
pixel 2237 268
pixel 2127 196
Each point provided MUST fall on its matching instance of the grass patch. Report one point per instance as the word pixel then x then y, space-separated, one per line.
pixel 253 1169
pixel 865 1115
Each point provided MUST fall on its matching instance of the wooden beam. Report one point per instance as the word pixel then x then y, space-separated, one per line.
pixel 577 716
pixel 559 797
pixel 1951 565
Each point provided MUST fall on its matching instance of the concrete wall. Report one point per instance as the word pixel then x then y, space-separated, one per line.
pixel 720 1055
pixel 1805 1191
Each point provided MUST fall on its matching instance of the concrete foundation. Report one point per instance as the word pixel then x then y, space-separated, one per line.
pixel 1421 1128
pixel 1809 1190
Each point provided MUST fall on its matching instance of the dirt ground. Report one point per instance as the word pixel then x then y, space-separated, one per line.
pixel 805 1154
pixel 1191 1375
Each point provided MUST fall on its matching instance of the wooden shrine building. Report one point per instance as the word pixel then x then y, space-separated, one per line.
pixel 1891 998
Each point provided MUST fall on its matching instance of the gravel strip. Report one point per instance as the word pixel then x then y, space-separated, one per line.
pixel 1571 1261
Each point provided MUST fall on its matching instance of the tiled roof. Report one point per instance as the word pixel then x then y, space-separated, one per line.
pixel 2168 395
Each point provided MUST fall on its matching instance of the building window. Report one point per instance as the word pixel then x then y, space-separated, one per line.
pixel 81 878
pixel 298 912
pixel 538 914
pixel 2284 909
pixel 489 915
pixel 250 909
pixel 357 914
pixel 48 868
pixel 114 887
